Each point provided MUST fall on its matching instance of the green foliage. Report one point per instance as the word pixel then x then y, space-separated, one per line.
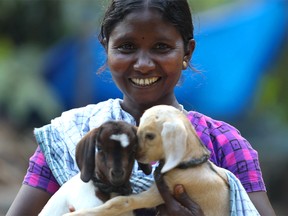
pixel 45 22
pixel 198 6
pixel 22 89
pixel 31 21
pixel 27 29
pixel 273 89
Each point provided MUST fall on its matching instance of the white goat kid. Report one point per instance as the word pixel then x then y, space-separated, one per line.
pixel 105 157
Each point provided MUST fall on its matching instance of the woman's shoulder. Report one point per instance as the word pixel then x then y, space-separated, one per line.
pixel 82 116
pixel 90 109
pixel 218 136
pixel 202 121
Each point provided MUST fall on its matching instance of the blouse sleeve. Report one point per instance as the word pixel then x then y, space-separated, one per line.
pixel 237 155
pixel 39 174
pixel 230 150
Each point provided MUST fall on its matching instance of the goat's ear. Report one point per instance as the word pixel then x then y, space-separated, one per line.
pixel 146 168
pixel 85 155
pixel 174 138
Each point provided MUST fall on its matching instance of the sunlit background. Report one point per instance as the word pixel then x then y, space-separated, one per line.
pixel 50 56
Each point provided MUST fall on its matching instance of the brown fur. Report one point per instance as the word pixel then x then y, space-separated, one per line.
pixel 110 157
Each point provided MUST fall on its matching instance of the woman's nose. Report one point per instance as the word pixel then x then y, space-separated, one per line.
pixel 144 63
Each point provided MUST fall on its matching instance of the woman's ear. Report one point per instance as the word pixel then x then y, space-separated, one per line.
pixel 104 43
pixel 189 50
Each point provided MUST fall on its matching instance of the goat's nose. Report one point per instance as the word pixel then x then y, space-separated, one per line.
pixel 144 63
pixel 117 173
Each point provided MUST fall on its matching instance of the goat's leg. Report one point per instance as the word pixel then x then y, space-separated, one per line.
pixel 122 204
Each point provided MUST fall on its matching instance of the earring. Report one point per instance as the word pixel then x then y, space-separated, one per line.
pixel 184 64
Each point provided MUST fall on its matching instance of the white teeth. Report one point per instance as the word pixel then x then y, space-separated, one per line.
pixel 144 82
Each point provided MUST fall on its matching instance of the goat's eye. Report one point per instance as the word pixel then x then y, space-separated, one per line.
pixel 150 136
pixel 99 148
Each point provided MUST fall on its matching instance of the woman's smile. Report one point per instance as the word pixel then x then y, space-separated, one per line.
pixel 145 82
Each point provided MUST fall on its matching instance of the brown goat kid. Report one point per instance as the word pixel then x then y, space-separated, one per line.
pixel 105 157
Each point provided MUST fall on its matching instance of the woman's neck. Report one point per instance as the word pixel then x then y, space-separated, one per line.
pixel 137 110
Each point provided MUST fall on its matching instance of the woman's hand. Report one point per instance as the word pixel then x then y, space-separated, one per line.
pixel 71 208
pixel 179 204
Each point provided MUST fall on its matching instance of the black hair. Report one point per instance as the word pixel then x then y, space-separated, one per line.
pixel 176 12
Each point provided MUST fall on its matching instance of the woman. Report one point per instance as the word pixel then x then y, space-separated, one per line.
pixel 148 44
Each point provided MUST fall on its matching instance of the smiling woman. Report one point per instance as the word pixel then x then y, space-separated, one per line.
pixel 148 44
pixel 145 57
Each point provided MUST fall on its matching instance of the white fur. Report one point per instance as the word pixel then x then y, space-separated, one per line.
pixel 74 193
pixel 122 138
pixel 165 133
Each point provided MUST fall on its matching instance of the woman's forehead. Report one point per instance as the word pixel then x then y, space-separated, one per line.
pixel 143 21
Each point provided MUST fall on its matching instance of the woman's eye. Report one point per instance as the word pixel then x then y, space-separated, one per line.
pixel 126 48
pixel 162 47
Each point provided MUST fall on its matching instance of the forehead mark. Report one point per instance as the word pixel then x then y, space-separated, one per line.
pixel 122 138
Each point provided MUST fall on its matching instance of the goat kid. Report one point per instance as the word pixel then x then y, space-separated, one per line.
pixel 165 134
pixel 105 157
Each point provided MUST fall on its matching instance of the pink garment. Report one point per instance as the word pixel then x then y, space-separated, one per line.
pixel 39 174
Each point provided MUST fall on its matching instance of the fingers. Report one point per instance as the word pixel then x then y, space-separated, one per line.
pixel 164 191
pixel 162 211
pixel 172 206
pixel 178 204
pixel 182 197
pixel 158 176
pixel 71 208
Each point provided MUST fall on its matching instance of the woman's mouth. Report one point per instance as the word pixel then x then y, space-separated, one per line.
pixel 144 82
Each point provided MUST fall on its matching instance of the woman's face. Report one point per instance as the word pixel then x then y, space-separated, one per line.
pixel 145 57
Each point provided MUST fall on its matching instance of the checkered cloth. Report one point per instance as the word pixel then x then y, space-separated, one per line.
pixel 58 141
pixel 240 203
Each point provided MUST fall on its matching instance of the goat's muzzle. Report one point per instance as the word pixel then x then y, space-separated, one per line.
pixel 118 177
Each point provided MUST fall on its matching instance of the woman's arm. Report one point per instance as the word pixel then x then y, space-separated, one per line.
pixel 29 201
pixel 262 203
pixel 36 189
